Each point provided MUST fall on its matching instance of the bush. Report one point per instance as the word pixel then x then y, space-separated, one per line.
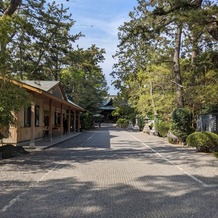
pixel 141 122
pixel 87 121
pixel 203 141
pixel 215 154
pixel 9 151
pixel 181 124
pixel 162 128
pixel 122 122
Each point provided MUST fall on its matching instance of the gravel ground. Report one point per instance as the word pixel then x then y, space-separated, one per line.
pixel 110 173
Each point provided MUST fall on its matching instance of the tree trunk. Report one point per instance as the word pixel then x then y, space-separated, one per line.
pixel 14 4
pixel 195 50
pixel 152 99
pixel 176 67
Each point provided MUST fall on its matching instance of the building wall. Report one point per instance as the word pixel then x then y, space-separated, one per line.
pixel 20 133
pixel 12 139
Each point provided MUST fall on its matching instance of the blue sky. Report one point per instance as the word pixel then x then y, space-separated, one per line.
pixel 98 20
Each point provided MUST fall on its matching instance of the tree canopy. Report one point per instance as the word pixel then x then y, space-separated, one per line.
pixel 36 43
pixel 83 79
pixel 167 56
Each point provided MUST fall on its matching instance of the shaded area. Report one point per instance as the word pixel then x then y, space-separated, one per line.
pixel 70 197
pixel 8 151
pixel 67 157
pixel 81 150
pixel 67 194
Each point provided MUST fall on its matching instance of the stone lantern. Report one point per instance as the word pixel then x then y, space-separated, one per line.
pixel 130 126
pixel 136 127
pixel 146 126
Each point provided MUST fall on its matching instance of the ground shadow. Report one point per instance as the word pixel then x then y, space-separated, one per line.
pixel 70 197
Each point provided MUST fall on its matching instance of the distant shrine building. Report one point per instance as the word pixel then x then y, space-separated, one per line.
pixel 107 108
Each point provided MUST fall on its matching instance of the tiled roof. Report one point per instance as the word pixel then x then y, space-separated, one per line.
pixel 43 85
pixel 74 104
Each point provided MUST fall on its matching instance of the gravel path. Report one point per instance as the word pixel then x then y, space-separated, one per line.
pixel 110 173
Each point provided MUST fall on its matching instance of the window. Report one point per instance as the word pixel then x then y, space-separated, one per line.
pixel 57 117
pixel 27 116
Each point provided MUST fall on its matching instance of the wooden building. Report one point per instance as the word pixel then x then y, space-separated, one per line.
pixel 106 110
pixel 50 113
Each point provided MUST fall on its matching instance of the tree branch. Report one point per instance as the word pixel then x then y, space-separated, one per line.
pixel 14 4
pixel 159 11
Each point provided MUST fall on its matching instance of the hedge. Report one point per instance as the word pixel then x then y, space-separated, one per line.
pixel 203 141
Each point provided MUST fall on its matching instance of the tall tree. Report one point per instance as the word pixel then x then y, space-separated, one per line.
pixel 84 80
pixel 12 99
pixel 165 32
pixel 176 67
pixel 42 41
pixel 29 40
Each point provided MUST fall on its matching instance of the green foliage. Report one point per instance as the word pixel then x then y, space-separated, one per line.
pixel 123 109
pixel 86 121
pixel 42 41
pixel 84 81
pixel 156 96
pixel 170 140
pixel 162 127
pixel 181 123
pixel 203 141
pixel 5 34
pixel 201 94
pixel 122 122
pixel 13 99
pixel 36 43
pixel 9 7
pixel 215 154
pixel 141 122
pixel 157 72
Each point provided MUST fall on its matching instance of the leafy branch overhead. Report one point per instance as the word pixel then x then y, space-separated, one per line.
pixel 37 43
pixel 11 7
pixel 208 21
pixel 166 57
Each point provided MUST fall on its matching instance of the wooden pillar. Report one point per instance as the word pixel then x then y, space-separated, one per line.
pixel 32 137
pixel 61 120
pixel 78 121
pixel 50 119
pixel 74 121
pixel 68 122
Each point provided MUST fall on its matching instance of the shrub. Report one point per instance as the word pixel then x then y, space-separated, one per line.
pixel 203 141
pixel 141 122
pixel 122 122
pixel 215 154
pixel 9 151
pixel 87 121
pixel 181 124
pixel 162 128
